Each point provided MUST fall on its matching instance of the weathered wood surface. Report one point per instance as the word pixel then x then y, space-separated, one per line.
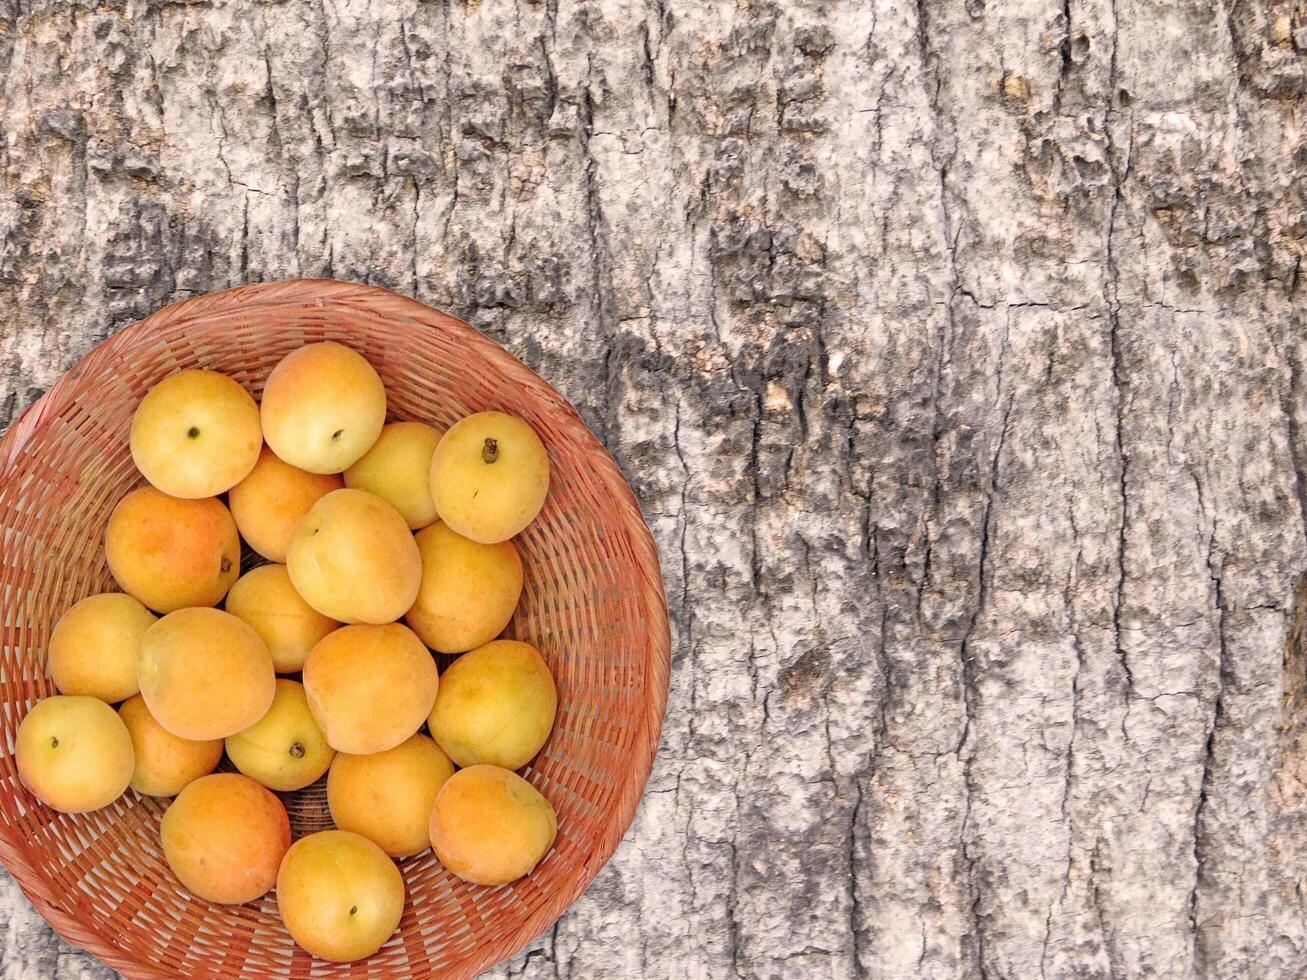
pixel 954 348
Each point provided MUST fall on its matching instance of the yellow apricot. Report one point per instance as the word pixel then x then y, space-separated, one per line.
pixel 387 797
pixel 284 750
pixel 205 674
pixel 94 646
pixel 74 753
pixel 370 687
pixel 196 434
pixel 495 705
pixel 340 896
pixel 165 764
pixel 468 591
pixel 398 470
pixel 224 838
pixel 268 503
pixel 489 476
pixel 353 559
pixel 490 826
pixel 171 553
pixel 323 407
pixel 266 598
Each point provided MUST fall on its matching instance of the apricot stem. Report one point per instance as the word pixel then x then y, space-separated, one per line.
pixel 297 750
pixel 54 743
pixel 490 451
pixel 193 432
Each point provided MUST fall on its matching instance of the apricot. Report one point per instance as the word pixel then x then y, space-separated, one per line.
pixel 388 797
pixel 353 559
pixel 196 434
pixel 370 687
pixel 323 407
pixel 340 896
pixel 496 705
pixel 490 826
pixel 284 750
pixel 268 503
pixel 266 599
pixel 165 764
pixel 489 476
pixel 398 470
pixel 224 838
pixel 205 674
pixel 94 645
pixel 468 591
pixel 74 753
pixel 172 553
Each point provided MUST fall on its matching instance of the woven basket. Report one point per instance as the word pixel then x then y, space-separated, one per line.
pixel 593 603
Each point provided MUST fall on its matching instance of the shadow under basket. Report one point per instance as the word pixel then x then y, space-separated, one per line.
pixel 593 603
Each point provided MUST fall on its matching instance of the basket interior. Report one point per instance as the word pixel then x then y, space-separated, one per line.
pixel 585 606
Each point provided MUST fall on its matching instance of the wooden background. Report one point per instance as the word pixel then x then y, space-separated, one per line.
pixel 954 348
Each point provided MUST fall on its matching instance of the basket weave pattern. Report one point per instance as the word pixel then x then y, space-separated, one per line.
pixel 593 603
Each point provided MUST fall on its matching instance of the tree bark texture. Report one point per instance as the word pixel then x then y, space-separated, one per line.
pixel 954 348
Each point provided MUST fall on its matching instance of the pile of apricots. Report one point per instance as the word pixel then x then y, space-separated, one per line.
pixel 384 542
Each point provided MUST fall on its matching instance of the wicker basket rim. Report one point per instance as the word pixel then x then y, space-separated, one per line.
pixel 296 292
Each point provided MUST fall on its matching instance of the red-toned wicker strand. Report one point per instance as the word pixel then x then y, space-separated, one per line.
pixel 593 603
